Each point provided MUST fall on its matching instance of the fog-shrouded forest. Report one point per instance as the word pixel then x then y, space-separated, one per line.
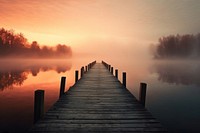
pixel 177 47
pixel 16 45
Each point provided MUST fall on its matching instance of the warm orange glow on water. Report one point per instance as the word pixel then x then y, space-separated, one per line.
pixel 16 101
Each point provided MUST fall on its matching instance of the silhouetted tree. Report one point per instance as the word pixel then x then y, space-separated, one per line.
pixel 35 46
pixel 62 50
pixel 16 45
pixel 185 46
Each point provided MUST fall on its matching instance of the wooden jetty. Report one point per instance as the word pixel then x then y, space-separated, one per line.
pixel 98 102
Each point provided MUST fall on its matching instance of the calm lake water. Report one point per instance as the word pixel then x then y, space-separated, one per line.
pixel 173 94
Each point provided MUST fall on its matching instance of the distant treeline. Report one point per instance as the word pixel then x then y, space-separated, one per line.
pixel 16 45
pixel 179 46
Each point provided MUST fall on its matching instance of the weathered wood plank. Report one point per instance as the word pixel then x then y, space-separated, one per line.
pixel 98 129
pixel 109 125
pixel 98 102
pixel 86 121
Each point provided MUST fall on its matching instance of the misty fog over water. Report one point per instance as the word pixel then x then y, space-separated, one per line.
pixel 172 92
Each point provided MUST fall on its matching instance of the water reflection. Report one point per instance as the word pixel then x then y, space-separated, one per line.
pixel 15 72
pixel 185 73
pixel 7 79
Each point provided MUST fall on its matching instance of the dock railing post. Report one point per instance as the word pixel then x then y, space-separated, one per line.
pixel 109 67
pixel 112 70
pixel 82 71
pixel 86 69
pixel 90 65
pixel 124 78
pixel 38 105
pixel 62 86
pixel 76 76
pixel 116 73
pixel 142 94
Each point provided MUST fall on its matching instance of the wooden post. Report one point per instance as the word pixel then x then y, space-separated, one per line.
pixel 82 71
pixel 116 73
pixel 142 94
pixel 76 76
pixel 109 67
pixel 124 78
pixel 90 65
pixel 62 86
pixel 112 70
pixel 38 105
pixel 86 69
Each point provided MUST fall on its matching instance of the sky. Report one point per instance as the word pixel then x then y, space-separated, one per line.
pixel 101 28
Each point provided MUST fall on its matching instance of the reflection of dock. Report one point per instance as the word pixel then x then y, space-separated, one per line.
pixel 98 102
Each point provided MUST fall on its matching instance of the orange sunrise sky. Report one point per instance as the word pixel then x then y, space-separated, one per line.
pixel 101 27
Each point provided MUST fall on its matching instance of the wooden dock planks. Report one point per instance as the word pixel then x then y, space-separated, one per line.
pixel 98 102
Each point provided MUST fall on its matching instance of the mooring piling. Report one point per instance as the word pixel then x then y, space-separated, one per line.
pixel 76 76
pixel 116 73
pixel 62 86
pixel 124 78
pixel 112 70
pixel 142 94
pixel 82 71
pixel 38 105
